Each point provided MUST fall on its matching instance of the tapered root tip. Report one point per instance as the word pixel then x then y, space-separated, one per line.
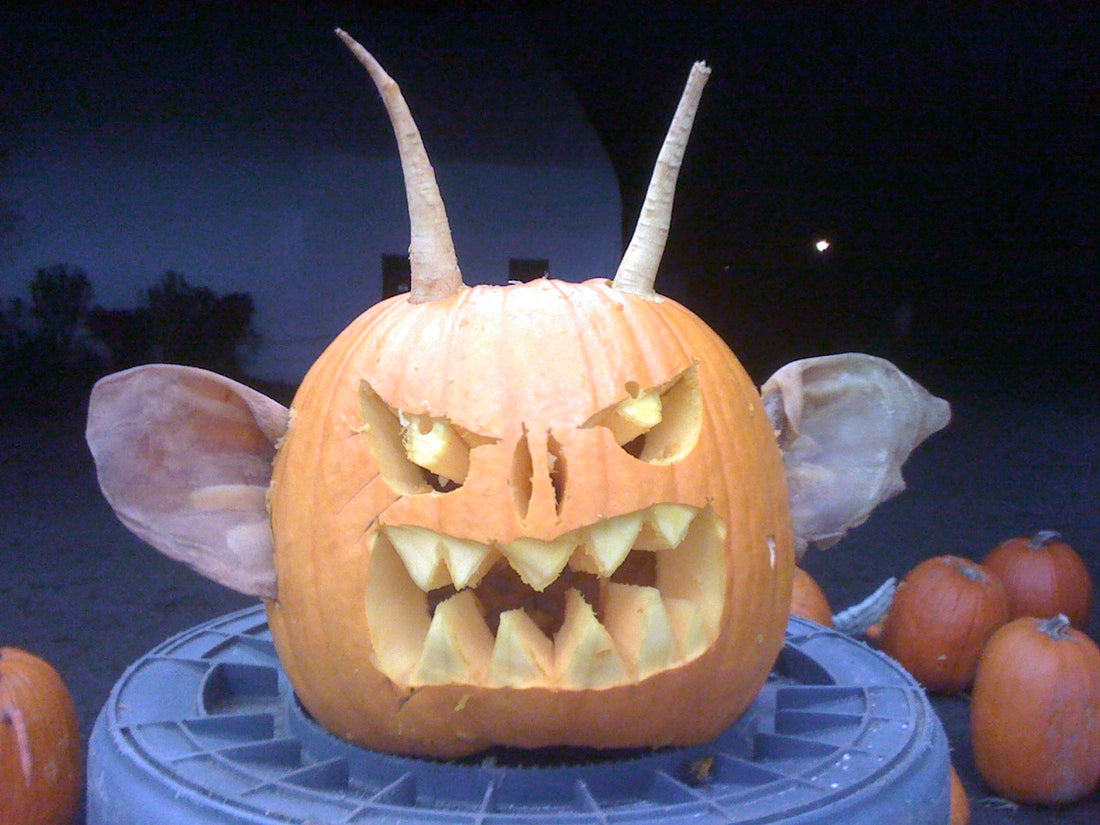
pixel 638 270
pixel 434 269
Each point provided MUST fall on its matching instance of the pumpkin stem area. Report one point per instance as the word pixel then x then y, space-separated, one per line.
pixel 1043 538
pixel 970 570
pixel 1056 627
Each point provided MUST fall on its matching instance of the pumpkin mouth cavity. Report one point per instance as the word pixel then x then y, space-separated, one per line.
pixel 606 604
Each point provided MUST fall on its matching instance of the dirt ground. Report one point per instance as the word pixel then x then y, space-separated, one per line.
pixel 80 591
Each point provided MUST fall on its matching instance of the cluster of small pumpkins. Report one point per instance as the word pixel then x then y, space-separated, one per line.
pixel 1011 631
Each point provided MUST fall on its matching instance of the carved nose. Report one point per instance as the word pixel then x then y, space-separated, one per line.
pixel 539 473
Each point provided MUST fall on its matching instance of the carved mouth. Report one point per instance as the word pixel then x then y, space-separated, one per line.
pixel 606 604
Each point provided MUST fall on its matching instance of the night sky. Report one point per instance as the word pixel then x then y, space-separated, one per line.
pixel 948 152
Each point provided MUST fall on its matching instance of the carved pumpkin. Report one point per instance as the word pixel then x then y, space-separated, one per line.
pixel 1043 576
pixel 1035 712
pixel 808 600
pixel 942 614
pixel 548 513
pixel 40 755
pixel 541 514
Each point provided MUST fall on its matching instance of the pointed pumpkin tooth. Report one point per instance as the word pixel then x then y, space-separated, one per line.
pixel 419 549
pixel 636 619
pixel 688 627
pixel 467 561
pixel 665 527
pixel 608 542
pixel 582 562
pixel 584 652
pixel 539 562
pixel 458 645
pixel 522 655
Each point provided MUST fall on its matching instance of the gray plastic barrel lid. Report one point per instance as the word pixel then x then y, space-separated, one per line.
pixel 205 729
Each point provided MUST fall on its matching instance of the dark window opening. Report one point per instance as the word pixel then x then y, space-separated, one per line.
pixel 396 275
pixel 527 269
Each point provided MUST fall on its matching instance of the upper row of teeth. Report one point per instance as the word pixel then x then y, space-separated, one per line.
pixel 434 560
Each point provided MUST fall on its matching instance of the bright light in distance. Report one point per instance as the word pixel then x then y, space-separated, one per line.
pixel 822 245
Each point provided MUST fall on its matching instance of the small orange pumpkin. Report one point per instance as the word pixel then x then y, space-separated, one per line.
pixel 942 614
pixel 1043 576
pixel 41 773
pixel 1035 714
pixel 808 600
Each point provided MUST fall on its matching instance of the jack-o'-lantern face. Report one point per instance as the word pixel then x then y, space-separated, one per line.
pixel 489 503
pixel 547 555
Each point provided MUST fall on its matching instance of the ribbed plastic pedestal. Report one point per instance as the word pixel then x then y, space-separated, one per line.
pixel 205 729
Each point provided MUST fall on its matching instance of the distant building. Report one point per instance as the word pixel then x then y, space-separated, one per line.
pixel 257 157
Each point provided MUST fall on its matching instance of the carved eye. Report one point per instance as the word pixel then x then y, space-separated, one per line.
pixel 659 425
pixel 417 453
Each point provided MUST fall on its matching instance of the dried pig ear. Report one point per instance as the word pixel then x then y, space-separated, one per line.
pixel 184 458
pixel 846 424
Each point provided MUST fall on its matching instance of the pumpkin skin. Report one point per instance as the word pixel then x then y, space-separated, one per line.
pixel 531 371
pixel 41 772
pixel 808 600
pixel 960 802
pixel 1043 576
pixel 942 614
pixel 1035 714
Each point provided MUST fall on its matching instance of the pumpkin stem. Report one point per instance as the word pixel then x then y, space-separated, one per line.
pixel 638 270
pixel 971 571
pixel 432 261
pixel 1057 627
pixel 857 618
pixel 1043 538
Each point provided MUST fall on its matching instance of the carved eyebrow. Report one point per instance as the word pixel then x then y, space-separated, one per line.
pixel 417 453
pixel 658 425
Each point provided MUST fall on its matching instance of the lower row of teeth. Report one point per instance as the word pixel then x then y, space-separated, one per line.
pixel 642 633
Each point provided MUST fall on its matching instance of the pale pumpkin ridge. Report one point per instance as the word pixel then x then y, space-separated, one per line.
pixel 455 341
pixel 712 354
pixel 573 335
pixel 362 329
pixel 976 599
pixel 594 402
pixel 715 422
pixel 398 351
pixel 579 317
pixel 410 343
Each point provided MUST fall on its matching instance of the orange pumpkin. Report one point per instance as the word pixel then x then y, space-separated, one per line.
pixel 548 513
pixel 1043 576
pixel 942 614
pixel 40 754
pixel 1035 714
pixel 808 600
